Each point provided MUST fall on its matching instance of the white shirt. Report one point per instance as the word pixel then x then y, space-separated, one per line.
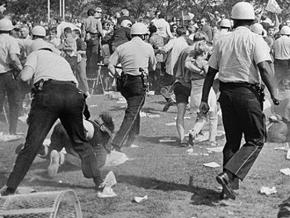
pixel 237 54
pixel 8 46
pixel 282 48
pixel 133 55
pixel 163 27
pixel 49 65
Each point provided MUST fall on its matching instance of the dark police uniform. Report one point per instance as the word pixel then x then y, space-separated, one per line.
pixel 132 55
pixel 55 96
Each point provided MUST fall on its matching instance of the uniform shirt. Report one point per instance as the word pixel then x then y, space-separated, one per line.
pixel 133 55
pixel 237 54
pixel 49 65
pixel 8 46
pixel 282 48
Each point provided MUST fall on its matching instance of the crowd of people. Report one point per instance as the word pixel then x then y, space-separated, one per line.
pixel 197 62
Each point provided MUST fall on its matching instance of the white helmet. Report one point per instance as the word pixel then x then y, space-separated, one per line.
pixel 257 28
pixel 41 44
pixel 243 11
pixel 6 25
pixel 285 30
pixel 225 23
pixel 38 31
pixel 126 23
pixel 139 29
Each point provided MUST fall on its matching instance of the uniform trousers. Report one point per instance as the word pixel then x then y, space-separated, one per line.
pixel 134 93
pixel 242 114
pixel 10 87
pixel 56 100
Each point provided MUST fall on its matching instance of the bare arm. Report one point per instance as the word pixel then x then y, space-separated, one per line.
pixel 27 74
pixel 16 62
pixel 267 76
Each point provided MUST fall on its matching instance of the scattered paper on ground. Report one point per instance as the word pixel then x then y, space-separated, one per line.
pixel 23 118
pixel 288 155
pixel 107 193
pixel 134 146
pixel 282 148
pixel 9 138
pixel 110 180
pixel 140 199
pixel 171 124
pixel 186 118
pixel 216 149
pixel 24 190
pixel 211 165
pixel 149 115
pixel 164 140
pixel 93 105
pixel 116 158
pixel 285 171
pixel 268 191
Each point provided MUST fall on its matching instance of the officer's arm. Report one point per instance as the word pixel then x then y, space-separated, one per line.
pixel 208 83
pixel 16 62
pixel 267 76
pixel 113 61
pixel 27 73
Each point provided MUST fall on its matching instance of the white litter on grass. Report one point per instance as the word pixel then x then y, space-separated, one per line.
pixel 285 171
pixel 211 165
pixel 9 138
pixel 23 118
pixel 140 199
pixel 171 124
pixel 164 140
pixel 268 191
pixel 151 93
pixel 116 158
pixel 153 115
pixel 25 190
pixel 186 118
pixel 215 149
pixel 283 148
pixel 134 146
pixel 142 114
pixel 109 182
pixel 93 105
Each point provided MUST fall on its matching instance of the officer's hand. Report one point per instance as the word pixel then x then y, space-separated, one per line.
pixel 275 101
pixel 204 107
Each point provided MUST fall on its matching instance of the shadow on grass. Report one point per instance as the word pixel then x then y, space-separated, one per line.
pixel 201 196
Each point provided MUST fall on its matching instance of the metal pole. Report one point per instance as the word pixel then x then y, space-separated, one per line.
pixel 63 9
pixel 48 10
pixel 60 8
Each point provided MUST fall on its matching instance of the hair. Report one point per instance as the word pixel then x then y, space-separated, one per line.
pixel 91 12
pixel 108 121
pixel 199 49
pixel 238 23
pixel 78 32
pixel 152 28
pixel 67 30
pixel 181 31
pixel 199 36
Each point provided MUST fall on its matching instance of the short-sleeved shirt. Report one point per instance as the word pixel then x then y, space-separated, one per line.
pixel 133 55
pixel 92 25
pixel 8 46
pixel 282 48
pixel 237 54
pixel 49 65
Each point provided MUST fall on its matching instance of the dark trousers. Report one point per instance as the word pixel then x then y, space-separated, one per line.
pixel 60 139
pixel 134 93
pixel 92 53
pixel 242 114
pixel 11 88
pixel 56 100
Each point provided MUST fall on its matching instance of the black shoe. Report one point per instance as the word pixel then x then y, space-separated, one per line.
pixel 5 191
pixel 190 139
pixel 224 180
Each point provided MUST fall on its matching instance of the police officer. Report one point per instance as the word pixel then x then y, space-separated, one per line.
pixel 10 65
pixel 242 59
pixel 133 56
pixel 55 96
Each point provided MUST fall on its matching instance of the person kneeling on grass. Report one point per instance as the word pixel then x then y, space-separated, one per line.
pixel 98 134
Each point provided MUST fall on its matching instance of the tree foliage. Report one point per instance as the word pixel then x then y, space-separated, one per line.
pixel 37 9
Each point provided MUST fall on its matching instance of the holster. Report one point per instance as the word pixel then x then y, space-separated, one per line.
pixel 258 90
pixel 37 87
